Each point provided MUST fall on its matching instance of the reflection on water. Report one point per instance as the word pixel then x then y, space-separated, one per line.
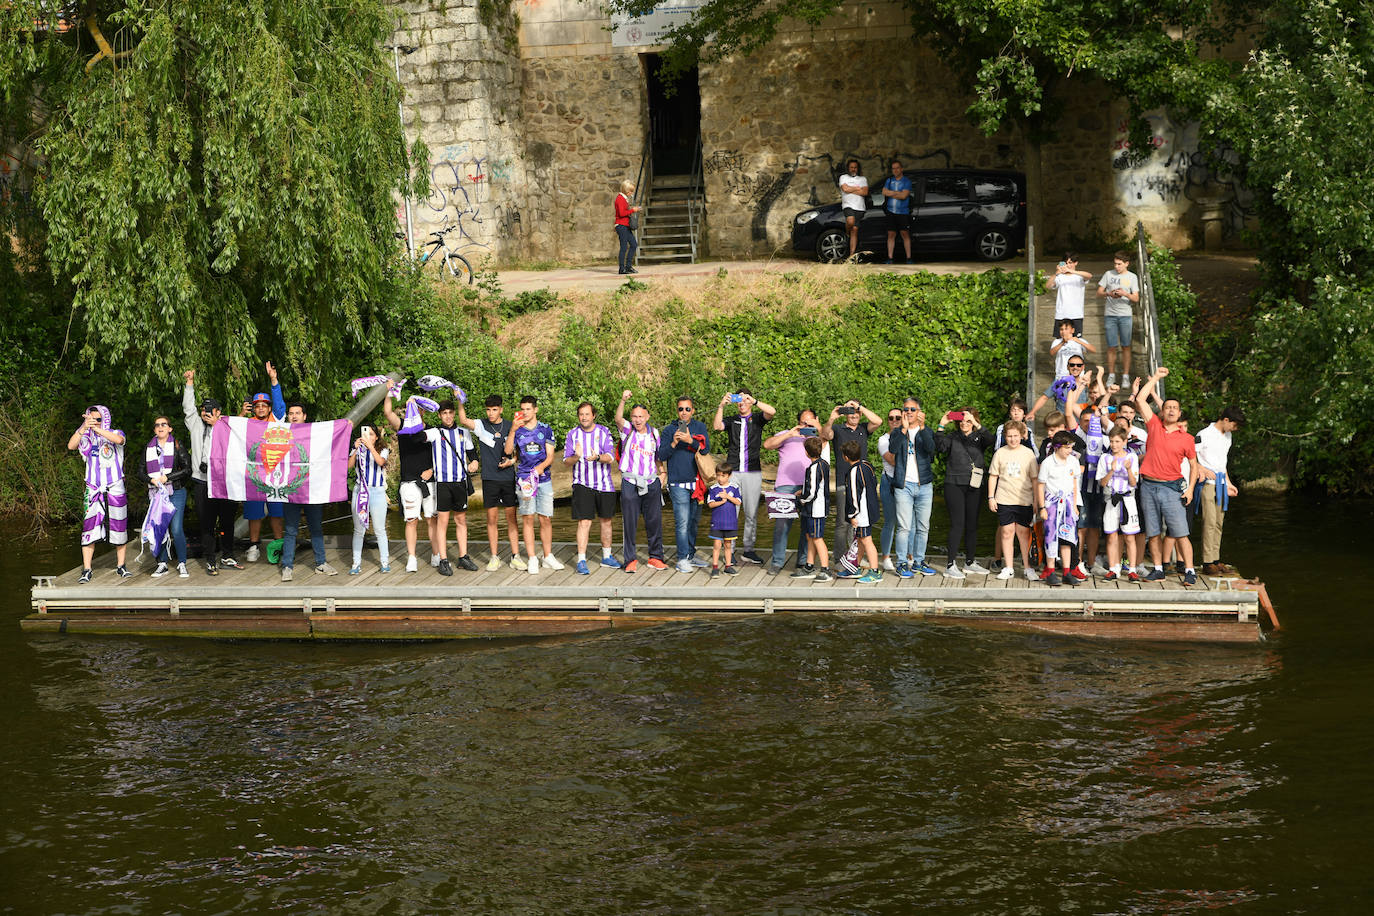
pixel 799 764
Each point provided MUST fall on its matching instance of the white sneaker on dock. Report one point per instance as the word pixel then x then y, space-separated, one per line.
pixel 516 562
pixel 1006 573
pixel 412 565
pixel 533 566
pixel 253 553
pixel 977 569
pixel 552 561
pixel 887 565
pixel 494 563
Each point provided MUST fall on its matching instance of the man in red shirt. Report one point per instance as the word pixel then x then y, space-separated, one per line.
pixel 1164 491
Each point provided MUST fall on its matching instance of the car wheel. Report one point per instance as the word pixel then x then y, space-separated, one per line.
pixel 832 246
pixel 993 245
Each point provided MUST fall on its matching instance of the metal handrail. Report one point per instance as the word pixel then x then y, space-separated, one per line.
pixel 694 197
pixel 1030 313
pixel 1149 315
pixel 646 172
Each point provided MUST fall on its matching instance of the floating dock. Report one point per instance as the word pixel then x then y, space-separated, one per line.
pixel 253 603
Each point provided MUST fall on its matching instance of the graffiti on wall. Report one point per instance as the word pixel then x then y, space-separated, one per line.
pixel 1179 176
pixel 760 190
pixel 460 187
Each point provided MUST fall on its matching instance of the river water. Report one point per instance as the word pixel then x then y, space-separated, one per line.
pixel 794 764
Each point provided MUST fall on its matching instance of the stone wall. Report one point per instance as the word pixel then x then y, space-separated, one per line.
pixel 462 97
pixel 530 138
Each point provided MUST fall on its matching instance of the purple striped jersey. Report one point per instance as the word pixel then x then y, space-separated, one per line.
pixel 595 442
pixel 638 450
pixel 104 460
pixel 450 445
pixel 370 473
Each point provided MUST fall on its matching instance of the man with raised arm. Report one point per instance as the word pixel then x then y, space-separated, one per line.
pixel 641 483
pixel 1164 491
pixel 262 407
pixel 216 515
pixel 589 451
pixel 450 444
pixel 859 423
pixel 416 492
pixel 498 478
pixel 744 435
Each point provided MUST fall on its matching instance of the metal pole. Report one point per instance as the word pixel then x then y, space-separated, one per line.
pixel 1030 312
pixel 401 114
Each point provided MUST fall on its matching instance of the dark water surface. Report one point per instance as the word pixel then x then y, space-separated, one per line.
pixel 794 764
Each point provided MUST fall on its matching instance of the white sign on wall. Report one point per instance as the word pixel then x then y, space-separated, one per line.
pixel 651 29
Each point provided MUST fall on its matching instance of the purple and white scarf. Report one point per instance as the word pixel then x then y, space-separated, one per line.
pixel 1061 521
pixel 434 383
pixel 413 423
pixel 159 459
pixel 371 381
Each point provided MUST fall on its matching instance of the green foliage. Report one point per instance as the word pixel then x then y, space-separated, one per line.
pixel 1176 308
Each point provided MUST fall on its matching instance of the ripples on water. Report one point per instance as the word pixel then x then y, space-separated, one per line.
pixel 794 764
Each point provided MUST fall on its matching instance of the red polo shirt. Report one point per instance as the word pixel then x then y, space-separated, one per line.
pixel 1165 451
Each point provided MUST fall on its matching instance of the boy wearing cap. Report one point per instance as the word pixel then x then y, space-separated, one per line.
pixel 216 515
pixel 254 511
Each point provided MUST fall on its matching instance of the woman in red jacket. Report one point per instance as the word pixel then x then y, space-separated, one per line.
pixel 623 209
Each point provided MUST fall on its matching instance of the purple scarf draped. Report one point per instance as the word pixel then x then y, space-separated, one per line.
pixel 156 460
pixel 360 498
pixel 413 423
pixel 1061 521
pixel 158 519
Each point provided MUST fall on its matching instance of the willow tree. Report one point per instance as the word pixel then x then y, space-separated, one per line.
pixel 212 183
pixel 1021 60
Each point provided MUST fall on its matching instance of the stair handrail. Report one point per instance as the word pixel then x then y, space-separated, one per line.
pixel 1030 314
pixel 1149 315
pixel 695 195
pixel 646 173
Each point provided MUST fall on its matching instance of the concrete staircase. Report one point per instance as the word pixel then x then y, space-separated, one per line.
pixel 666 233
pixel 1093 332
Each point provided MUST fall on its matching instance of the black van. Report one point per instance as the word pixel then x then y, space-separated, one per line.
pixel 976 211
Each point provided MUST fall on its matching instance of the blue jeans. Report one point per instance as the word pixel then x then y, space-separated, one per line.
pixel 913 520
pixel 782 527
pixel 889 513
pixel 314 517
pixel 177 529
pixel 686 515
pixel 627 247
pixel 376 511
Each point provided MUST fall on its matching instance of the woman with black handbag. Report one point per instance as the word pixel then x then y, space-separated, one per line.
pixel 626 222
pixel 967 444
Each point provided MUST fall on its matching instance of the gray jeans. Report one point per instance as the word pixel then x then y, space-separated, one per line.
pixel 844 532
pixel 750 485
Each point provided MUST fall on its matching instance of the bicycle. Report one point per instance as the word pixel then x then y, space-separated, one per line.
pixel 451 263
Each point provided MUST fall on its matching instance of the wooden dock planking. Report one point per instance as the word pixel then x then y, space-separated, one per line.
pixel 254 604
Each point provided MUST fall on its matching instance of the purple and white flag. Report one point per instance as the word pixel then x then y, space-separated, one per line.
pixel 157 520
pixel 254 459
pixel 372 381
pixel 434 383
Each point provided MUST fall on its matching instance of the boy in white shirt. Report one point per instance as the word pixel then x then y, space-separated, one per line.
pixel 1068 344
pixel 1214 489
pixel 1119 473
pixel 1069 284
pixel 1121 289
pixel 1060 497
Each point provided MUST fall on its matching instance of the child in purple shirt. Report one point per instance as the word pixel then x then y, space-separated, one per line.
pixel 724 500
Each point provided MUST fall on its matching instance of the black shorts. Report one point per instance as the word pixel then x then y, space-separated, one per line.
pixel 1014 515
pixel 498 493
pixel 451 495
pixel 724 534
pixel 897 222
pixel 588 503
pixel 1094 504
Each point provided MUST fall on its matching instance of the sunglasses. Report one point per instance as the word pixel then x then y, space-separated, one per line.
pixel 1075 365
pixel 156 425
pixel 685 409
pixel 893 418
pixel 910 409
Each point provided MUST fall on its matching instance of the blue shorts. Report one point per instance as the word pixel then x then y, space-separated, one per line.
pixel 253 511
pixel 541 503
pixel 1162 510
pixel 1118 330
pixel 814 527
pixel 865 532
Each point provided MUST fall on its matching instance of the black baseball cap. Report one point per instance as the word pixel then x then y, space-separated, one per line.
pixel 209 405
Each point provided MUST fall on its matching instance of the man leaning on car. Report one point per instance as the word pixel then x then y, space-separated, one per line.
pixel 897 209
pixel 854 199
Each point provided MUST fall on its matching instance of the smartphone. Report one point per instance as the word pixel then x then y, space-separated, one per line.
pixel 736 398
pixel 846 411
pixel 807 431
pixel 956 415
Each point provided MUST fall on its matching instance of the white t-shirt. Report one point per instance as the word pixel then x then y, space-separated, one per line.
pixel 1129 282
pixel 1061 358
pixel 883 440
pixel 1069 289
pixel 1062 476
pixel 848 199
pixel 1213 447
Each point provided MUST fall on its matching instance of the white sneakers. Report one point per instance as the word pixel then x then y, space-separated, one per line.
pixel 434 559
pixel 411 564
pixel 953 572
pixel 253 553
pixel 494 563
pixel 534 566
pixel 552 562
pixel 1030 575
pixel 1006 573
pixel 887 565
pixel 516 562
pixel 978 569
pixel 684 566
